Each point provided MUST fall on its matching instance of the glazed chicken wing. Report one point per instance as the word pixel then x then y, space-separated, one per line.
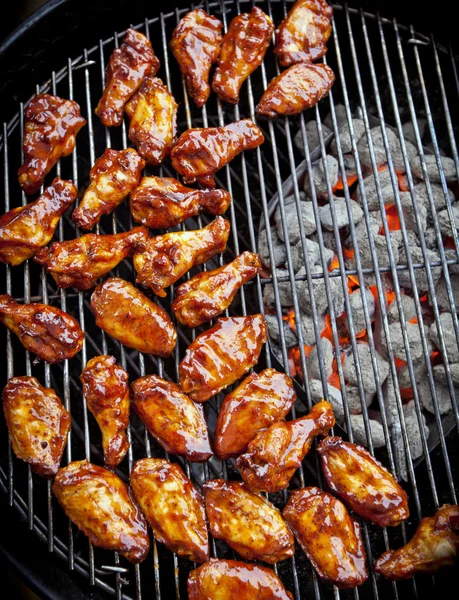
pixel 199 153
pixel 50 333
pixel 166 258
pixel 260 400
pixel 196 43
pixel 26 229
pixel 163 202
pixel 248 523
pixel 362 482
pixel 50 130
pixel 173 507
pixel 101 505
pixel 114 175
pixel 275 453
pixel 171 417
pixel 37 422
pixel 126 69
pixel 434 545
pixel 329 536
pixel 130 317
pixel 243 50
pixel 208 294
pixel 221 355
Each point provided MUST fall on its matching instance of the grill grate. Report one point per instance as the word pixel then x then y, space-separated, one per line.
pixel 381 67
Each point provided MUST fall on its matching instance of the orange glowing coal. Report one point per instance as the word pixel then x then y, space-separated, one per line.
pixel 393 220
pixel 350 179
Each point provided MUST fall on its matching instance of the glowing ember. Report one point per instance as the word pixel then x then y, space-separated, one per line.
pixel 334 263
pixel 402 182
pixel 393 221
pixel 351 179
pixel 349 253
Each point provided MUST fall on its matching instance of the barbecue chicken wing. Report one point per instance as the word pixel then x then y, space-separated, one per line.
pixel 434 545
pixel 208 294
pixel 114 175
pixel 296 89
pixel 173 507
pixel 303 35
pixel 130 317
pixel 362 482
pixel 126 69
pixel 50 130
pixel 166 258
pixel 101 505
pixel 199 153
pixel 329 536
pixel 230 579
pixel 50 333
pixel 260 400
pixel 275 453
pixel 163 202
pixel 249 524
pixel 37 422
pixel 171 417
pixel 26 229
pixel 106 389
pixel 196 43
pixel 221 355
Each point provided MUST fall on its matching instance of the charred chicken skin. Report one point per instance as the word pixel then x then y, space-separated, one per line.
pixel 275 453
pixel 50 333
pixel 260 400
pixel 362 482
pixel 101 505
pixel 243 50
pixel 130 317
pixel 171 417
pixel 163 202
pixel 126 69
pixel 222 355
pixel 114 175
pixel 328 535
pixel 434 545
pixel 37 422
pixel 248 523
pixel 199 153
pixel 196 43
pixel 26 229
pixel 173 507
pixel 166 258
pixel 50 130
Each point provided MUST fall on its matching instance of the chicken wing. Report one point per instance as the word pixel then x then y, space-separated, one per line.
pixel 221 355
pixel 26 229
pixel 208 294
pixel 114 175
pixel 106 389
pixel 199 153
pixel 196 43
pixel 163 202
pixel 434 545
pixel 275 453
pixel 243 50
pixel 37 422
pixel 152 111
pixel 303 34
pixel 130 317
pixel 362 482
pixel 166 258
pixel 126 69
pixel 230 579
pixel 260 400
pixel 249 524
pixel 50 333
pixel 82 261
pixel 329 536
pixel 296 89
pixel 50 130
pixel 101 505
pixel 173 507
